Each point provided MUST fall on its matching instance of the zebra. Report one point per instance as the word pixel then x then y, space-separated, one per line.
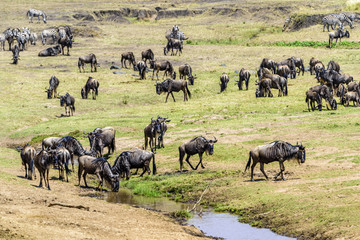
pixel 33 38
pixel 351 16
pixel 36 13
pixel 9 36
pixel 3 40
pixel 343 18
pixel 65 31
pixel 176 33
pixel 331 21
pixel 47 33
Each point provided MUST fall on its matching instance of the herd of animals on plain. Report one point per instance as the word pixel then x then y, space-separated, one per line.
pixel 60 151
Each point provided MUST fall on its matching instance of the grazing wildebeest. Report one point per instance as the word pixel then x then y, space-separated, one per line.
pixel 173 44
pixel 93 85
pixel 49 33
pixel 50 143
pixel 312 63
pixel 69 102
pixel 147 55
pixel 90 58
pixel 101 138
pixel 162 66
pixel 53 84
pixel 324 92
pixel 276 81
pixel 299 64
pixel 291 64
pixel 141 66
pixel 224 79
pixel 338 34
pixel 127 56
pixel 36 13
pixel 27 154
pixel 65 42
pixel 185 70
pixel 269 64
pixel 352 86
pixel 244 75
pixel 264 88
pixel 283 70
pixel 197 145
pixel 352 96
pixel 333 78
pixel 311 98
pixel 42 162
pixel 170 85
pixel 332 65
pixel 16 54
pixel 134 159
pixel 51 51
pixel 33 38
pixel 74 147
pixel 276 151
pixel 151 133
pixel 62 158
pixel 319 68
pixel 101 168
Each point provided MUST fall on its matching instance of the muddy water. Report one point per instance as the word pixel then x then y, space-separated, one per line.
pixel 220 225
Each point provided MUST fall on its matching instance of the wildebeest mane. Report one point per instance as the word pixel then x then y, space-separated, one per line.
pixel 73 144
pixel 281 149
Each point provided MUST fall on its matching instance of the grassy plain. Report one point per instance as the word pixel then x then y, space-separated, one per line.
pixel 320 198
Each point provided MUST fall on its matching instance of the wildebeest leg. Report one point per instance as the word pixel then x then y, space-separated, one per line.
pixel 187 160
pixel 84 176
pixel 47 178
pixel 26 171
pixel 262 170
pixel 79 173
pixel 282 169
pixel 167 97
pixel 100 182
pixel 252 170
pixel 41 177
pixel 127 173
pixel 173 96
pixel 185 96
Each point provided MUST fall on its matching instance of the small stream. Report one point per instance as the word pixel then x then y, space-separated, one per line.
pixel 219 225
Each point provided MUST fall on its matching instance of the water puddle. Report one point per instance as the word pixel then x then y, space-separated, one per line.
pixel 220 225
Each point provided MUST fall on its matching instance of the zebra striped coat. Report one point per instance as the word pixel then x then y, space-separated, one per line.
pixel 49 33
pixel 331 21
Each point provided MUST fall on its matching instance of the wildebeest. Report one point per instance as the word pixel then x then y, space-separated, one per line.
pixel 173 44
pixel 312 63
pixel 127 56
pixel 36 13
pixel 291 64
pixel 332 65
pixel 74 147
pixel 163 129
pixel 283 70
pixel 170 85
pixel 27 154
pixel 276 81
pixel 134 159
pixel 324 92
pixel 101 168
pixel 101 138
pixel 244 75
pixel 197 145
pixel 353 95
pixel 264 88
pixel 141 66
pixel 311 99
pixel 318 68
pixel 69 102
pixel 62 157
pixel 90 58
pixel 16 54
pixel 51 51
pixel 162 66
pixel 65 42
pixel 50 143
pixel 269 64
pixel 147 55
pixel 299 64
pixel 338 34
pixel 151 133
pixel 53 84
pixel 43 161
pixel 185 70
pixel 333 78
pixel 276 151
pixel 91 84
pixel 224 79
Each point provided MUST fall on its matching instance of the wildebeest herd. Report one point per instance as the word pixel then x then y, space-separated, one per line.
pixel 60 151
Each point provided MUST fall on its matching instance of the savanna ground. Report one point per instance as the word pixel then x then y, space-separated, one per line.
pixel 318 201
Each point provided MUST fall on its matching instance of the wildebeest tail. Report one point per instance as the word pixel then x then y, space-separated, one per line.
pixel 248 163
pixel 188 91
pixel 154 165
pixel 97 88
pixel 286 88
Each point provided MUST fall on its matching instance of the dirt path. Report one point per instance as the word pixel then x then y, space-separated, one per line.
pixel 26 213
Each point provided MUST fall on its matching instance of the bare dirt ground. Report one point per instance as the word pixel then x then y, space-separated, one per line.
pixel 27 213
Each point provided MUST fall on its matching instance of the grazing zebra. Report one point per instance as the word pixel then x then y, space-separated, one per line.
pixel 49 33
pixel 332 21
pixel 352 16
pixel 33 38
pixel 36 13
pixel 343 18
pixel 9 36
